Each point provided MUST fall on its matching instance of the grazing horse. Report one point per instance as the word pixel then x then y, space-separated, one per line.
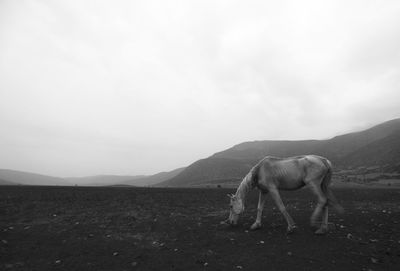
pixel 272 174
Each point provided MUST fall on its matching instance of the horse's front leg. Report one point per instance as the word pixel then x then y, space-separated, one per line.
pixel 261 201
pixel 278 201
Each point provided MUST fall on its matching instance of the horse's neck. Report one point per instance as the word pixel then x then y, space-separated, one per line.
pixel 244 188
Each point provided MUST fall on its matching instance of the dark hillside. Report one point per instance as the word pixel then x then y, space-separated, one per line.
pixel 210 169
pixel 382 152
pixel 379 145
pixel 256 150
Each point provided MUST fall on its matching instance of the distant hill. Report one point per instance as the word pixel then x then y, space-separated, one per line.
pixel 100 180
pixel 27 178
pixel 375 146
pixel 121 180
pixel 3 182
pixel 14 177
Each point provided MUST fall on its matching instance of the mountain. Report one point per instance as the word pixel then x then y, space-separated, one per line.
pixel 28 178
pixel 254 151
pixel 341 146
pixel 154 179
pixel 379 145
pixel 376 146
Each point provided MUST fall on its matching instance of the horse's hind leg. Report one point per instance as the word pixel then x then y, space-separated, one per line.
pixel 278 201
pixel 324 225
pixel 321 206
pixel 260 207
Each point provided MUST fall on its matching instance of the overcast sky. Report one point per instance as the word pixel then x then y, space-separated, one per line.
pixel 138 87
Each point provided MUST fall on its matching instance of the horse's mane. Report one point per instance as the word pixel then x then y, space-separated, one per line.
pixel 248 182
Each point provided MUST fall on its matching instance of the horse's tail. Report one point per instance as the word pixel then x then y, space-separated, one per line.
pixel 332 201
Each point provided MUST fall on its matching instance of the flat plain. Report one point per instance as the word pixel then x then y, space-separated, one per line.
pixel 119 228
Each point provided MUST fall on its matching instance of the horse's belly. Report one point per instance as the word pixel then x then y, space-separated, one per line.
pixel 291 185
pixel 281 184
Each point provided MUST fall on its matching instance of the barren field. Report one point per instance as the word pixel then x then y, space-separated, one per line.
pixel 78 228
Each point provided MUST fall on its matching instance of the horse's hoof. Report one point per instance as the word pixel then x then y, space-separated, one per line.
pixel 255 226
pixel 321 231
pixel 291 229
pixel 314 224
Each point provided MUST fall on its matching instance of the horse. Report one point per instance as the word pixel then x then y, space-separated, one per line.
pixel 272 174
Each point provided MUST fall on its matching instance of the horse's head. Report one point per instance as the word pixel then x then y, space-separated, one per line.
pixel 236 208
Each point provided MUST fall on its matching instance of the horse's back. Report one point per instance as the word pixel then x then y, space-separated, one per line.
pixel 290 173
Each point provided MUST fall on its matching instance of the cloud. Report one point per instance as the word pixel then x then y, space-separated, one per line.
pixel 145 86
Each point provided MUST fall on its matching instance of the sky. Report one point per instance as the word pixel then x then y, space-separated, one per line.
pixel 139 87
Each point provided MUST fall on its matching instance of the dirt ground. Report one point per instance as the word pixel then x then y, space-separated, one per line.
pixel 78 228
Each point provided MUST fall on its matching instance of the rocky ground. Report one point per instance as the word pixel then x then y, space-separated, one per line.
pixel 110 228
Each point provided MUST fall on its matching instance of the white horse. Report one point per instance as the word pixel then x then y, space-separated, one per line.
pixel 272 174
